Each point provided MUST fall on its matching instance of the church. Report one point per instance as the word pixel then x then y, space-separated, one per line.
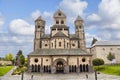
pixel 59 51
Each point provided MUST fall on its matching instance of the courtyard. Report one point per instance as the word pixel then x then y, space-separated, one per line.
pixel 72 76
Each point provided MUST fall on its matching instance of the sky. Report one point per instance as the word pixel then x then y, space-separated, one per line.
pixel 101 20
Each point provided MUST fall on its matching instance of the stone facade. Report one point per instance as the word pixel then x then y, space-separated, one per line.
pixel 102 48
pixel 59 51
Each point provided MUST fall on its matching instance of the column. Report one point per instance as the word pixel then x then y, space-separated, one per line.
pixel 41 66
pixel 78 69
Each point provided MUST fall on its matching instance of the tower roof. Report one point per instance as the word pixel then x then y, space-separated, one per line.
pixel 59 13
pixel 78 18
pixel 39 19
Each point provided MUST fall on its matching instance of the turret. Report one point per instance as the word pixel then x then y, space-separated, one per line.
pixel 39 31
pixel 79 31
pixel 59 18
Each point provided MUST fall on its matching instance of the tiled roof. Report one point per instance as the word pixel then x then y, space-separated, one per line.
pixel 107 43
pixel 46 36
pixel 59 34
pixel 73 36
pixel 59 52
pixel 60 26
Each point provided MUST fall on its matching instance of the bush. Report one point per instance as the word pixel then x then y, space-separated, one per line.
pixel 97 62
pixel 19 70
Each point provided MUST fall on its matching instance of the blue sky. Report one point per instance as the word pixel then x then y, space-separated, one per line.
pixel 101 18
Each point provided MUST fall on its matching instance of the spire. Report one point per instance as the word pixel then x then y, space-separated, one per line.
pixel 59 13
pixel 78 18
pixel 39 19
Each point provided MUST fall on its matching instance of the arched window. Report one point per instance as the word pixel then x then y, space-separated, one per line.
pixel 62 22
pixel 38 68
pixel 59 44
pixel 57 22
pixel 36 60
pixel 84 68
pixel 59 14
pixel 81 68
pixel 87 68
pixel 83 60
pixel 32 68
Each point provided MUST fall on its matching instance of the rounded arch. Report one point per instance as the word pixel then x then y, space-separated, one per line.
pixel 59 60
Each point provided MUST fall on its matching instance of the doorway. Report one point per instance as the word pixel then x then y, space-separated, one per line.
pixel 60 67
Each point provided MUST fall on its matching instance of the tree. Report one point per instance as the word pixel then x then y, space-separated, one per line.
pixel 98 61
pixel 20 59
pixel 9 57
pixel 94 41
pixel 110 56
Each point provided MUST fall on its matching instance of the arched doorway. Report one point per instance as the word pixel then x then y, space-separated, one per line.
pixel 60 67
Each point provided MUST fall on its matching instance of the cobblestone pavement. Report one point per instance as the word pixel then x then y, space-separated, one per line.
pixel 72 76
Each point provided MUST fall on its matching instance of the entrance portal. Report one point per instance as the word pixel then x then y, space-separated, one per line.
pixel 60 67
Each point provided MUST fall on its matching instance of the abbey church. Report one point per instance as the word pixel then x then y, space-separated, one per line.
pixel 60 51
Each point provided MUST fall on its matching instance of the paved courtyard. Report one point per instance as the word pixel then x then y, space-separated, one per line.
pixel 72 76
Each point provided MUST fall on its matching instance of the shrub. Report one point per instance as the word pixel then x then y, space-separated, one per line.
pixel 97 62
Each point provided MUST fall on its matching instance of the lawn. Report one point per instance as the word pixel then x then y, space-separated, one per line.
pixel 109 69
pixel 5 69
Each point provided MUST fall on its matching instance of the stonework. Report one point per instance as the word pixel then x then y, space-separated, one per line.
pixel 102 48
pixel 59 51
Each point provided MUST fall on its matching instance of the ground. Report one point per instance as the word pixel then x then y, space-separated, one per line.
pixel 72 76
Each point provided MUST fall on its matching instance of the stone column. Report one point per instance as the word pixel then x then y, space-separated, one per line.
pixel 53 69
pixel 41 68
pixel 66 69
pixel 78 68
pixel 29 67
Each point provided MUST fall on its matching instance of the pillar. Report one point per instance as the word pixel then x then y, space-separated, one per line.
pixel 78 68
pixel 41 68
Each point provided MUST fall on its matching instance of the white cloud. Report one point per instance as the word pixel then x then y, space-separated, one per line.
pixel 35 14
pixel 19 26
pixel 93 18
pixel 73 8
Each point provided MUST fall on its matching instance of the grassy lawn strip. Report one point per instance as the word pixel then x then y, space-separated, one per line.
pixel 5 69
pixel 109 69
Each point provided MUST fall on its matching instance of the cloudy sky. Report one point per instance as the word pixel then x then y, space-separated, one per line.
pixel 101 18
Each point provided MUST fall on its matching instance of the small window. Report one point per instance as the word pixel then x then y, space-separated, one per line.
pixel 73 44
pixel 38 26
pixel 36 60
pixel 57 22
pixel 46 59
pixel 59 29
pixel 62 22
pixel 46 45
pixel 59 14
pixel 67 45
pixel 80 27
pixel 59 44
pixel 83 59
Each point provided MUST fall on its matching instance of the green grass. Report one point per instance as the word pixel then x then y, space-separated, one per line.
pixel 109 69
pixel 5 69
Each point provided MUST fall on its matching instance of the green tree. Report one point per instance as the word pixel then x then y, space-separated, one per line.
pixel 20 59
pixel 98 61
pixel 94 41
pixel 110 56
pixel 9 57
